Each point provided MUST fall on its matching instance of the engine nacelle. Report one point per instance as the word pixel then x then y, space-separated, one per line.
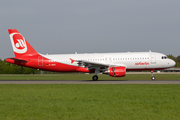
pixel 117 71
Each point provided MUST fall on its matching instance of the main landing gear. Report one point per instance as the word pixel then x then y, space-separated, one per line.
pixel 152 74
pixel 95 77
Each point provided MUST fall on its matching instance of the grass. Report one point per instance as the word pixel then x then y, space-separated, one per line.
pixel 88 77
pixel 74 102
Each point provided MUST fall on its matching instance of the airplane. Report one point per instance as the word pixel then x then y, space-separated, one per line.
pixel 113 64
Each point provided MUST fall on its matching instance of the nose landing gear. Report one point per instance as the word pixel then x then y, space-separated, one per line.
pixel 152 74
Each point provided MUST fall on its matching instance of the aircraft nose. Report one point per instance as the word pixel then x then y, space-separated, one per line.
pixel 172 63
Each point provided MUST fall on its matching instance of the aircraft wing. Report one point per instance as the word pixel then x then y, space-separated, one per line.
pixel 91 65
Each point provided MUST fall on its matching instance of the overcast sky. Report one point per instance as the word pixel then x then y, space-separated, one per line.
pixel 88 26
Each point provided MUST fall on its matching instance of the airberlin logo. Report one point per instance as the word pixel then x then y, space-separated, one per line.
pixel 18 43
pixel 142 63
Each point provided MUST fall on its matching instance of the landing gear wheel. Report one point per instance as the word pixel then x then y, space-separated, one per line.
pixel 95 77
pixel 153 78
pixel 152 73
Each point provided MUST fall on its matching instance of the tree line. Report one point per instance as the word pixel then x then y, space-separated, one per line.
pixel 7 68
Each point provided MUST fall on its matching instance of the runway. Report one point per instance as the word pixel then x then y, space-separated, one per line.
pixel 89 82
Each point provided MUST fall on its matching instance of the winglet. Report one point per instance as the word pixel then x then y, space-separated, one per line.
pixel 72 61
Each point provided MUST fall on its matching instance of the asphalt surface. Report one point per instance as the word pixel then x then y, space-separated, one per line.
pixel 89 82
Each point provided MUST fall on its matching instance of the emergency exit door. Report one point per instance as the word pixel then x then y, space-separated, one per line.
pixel 40 61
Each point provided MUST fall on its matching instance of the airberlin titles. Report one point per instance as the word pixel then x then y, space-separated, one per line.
pixel 142 63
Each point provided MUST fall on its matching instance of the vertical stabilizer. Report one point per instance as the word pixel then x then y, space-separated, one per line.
pixel 19 44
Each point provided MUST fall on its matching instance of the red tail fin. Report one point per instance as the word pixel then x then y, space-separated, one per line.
pixel 20 46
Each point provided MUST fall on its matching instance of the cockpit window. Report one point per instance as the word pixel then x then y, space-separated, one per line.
pixel 164 57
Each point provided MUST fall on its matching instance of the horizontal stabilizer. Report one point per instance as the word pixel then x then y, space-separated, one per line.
pixel 20 60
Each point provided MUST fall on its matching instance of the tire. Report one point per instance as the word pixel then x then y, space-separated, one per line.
pixel 95 78
pixel 153 78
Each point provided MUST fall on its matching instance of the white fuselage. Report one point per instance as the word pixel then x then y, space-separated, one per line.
pixel 132 61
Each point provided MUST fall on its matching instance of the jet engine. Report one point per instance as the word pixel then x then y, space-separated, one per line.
pixel 117 71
